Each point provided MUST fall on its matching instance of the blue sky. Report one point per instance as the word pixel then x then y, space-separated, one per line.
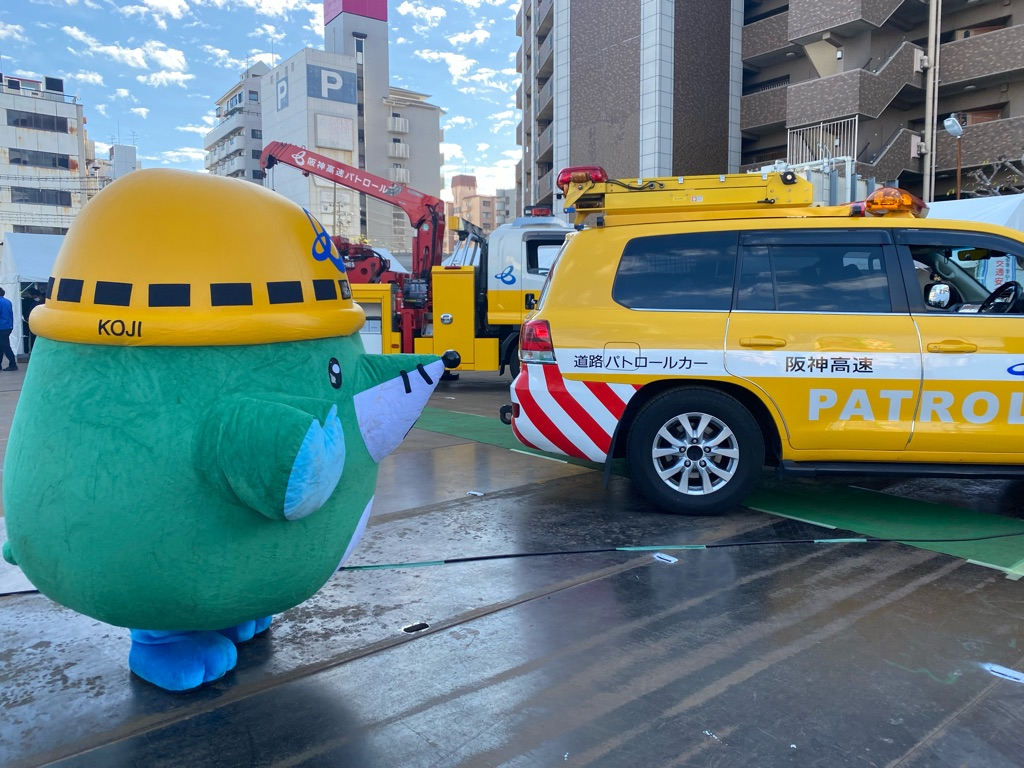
pixel 148 71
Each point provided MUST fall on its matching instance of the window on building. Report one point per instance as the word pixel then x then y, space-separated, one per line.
pixel 257 175
pixel 31 196
pixel 30 229
pixel 256 133
pixel 254 95
pixel 38 159
pixel 19 119
pixel 485 203
pixel 685 271
pixel 256 154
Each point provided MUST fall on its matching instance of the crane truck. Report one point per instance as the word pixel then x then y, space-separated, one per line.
pixel 474 301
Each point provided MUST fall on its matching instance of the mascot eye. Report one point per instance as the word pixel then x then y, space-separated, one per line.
pixel 334 372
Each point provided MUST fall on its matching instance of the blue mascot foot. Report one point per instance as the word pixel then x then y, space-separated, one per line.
pixel 179 661
pixel 247 630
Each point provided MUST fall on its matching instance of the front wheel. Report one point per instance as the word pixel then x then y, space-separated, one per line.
pixel 695 451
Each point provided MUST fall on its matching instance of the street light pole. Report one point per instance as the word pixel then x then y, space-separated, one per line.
pixel 954 129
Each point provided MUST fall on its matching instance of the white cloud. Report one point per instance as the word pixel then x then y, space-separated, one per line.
pixel 458 65
pixel 458 121
pixel 477 36
pixel 268 32
pixel 142 112
pixel 482 147
pixel 209 121
pixel 101 108
pixel 152 51
pixel 183 155
pixel 503 120
pixel 160 79
pixel 12 32
pixel 223 58
pixel 89 78
pixel 123 93
pixel 428 17
pixel 451 151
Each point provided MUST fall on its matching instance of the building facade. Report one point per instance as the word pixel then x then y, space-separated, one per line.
pixel 504 206
pixel 655 92
pixel 337 102
pixel 467 204
pixel 827 78
pixel 688 88
pixel 43 157
pixel 234 146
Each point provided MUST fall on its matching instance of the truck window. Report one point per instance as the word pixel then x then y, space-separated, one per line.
pixel 540 255
pixel 677 272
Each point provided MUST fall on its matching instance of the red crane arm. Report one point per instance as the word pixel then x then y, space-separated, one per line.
pixel 425 212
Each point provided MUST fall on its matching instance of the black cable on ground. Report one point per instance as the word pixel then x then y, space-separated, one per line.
pixel 640 548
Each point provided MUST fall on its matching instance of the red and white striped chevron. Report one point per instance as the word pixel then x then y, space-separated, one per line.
pixel 575 418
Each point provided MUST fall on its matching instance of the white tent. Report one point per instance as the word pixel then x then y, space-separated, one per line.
pixel 26 261
pixel 1005 210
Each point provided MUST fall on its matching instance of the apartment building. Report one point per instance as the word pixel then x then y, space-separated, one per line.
pixel 686 88
pixel 652 93
pixel 467 204
pixel 43 157
pixel 830 78
pixel 504 206
pixel 234 145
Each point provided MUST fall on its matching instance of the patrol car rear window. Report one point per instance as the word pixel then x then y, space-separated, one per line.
pixel 801 278
pixel 685 271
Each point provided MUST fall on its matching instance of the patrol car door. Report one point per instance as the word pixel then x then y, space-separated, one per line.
pixel 973 391
pixel 820 324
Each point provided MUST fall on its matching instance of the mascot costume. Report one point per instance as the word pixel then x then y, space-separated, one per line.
pixel 195 447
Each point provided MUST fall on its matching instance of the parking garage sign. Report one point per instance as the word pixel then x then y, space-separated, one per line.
pixel 330 84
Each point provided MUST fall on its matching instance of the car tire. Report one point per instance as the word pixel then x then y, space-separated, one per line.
pixel 718 431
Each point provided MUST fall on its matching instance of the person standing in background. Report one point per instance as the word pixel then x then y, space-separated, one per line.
pixel 6 329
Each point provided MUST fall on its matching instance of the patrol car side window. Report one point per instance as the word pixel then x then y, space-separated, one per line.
pixel 677 272
pixel 813 278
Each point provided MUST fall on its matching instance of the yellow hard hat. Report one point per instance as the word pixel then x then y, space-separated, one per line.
pixel 173 258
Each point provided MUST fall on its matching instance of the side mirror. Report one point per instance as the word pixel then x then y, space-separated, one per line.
pixel 531 301
pixel 938 295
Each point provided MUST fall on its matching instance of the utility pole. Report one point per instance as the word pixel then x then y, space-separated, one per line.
pixel 931 98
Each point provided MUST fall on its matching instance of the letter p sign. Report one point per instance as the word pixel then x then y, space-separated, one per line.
pixel 282 93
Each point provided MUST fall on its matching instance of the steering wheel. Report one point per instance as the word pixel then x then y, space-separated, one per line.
pixel 1003 297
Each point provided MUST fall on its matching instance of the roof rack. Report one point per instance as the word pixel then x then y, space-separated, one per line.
pixel 588 190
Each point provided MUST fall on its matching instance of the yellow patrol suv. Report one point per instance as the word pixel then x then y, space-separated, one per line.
pixel 705 326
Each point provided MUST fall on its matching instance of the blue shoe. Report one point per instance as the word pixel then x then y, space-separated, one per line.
pixel 180 661
pixel 247 630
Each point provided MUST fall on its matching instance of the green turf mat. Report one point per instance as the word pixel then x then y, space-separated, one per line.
pixel 868 513
pixel 872 513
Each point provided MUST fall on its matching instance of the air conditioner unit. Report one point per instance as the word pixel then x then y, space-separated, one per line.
pixel 961 34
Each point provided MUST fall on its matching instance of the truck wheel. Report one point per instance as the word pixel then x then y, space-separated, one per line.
pixel 695 451
pixel 514 364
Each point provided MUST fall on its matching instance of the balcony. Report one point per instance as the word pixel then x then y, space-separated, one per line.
pixel 992 56
pixel 544 142
pixel 545 16
pixel 519 60
pixel 767 41
pixel 400 175
pixel 519 96
pixel 234 122
pixel 764 109
pixel 857 92
pixel 545 57
pixel 897 156
pixel 398 150
pixel 809 19
pixel 398 124
pixel 519 21
pixel 544 187
pixel 543 100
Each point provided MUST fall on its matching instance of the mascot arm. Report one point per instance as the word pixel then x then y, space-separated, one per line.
pixel 283 457
pixel 9 553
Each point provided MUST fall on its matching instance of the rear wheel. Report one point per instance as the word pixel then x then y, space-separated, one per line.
pixel 695 451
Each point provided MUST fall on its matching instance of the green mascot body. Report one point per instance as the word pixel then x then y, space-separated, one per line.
pixel 187 459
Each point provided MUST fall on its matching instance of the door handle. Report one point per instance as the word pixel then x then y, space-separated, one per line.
pixel 952 346
pixel 762 341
